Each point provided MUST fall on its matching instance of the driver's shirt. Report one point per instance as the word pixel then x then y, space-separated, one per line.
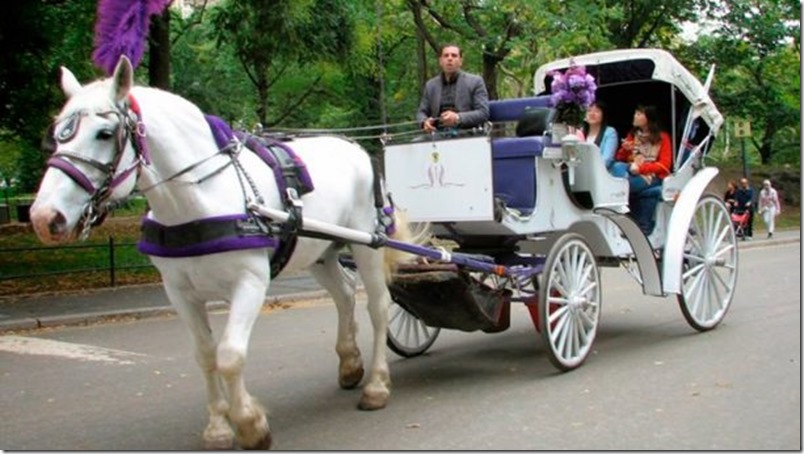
pixel 448 90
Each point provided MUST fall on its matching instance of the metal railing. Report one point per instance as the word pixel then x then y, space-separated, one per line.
pixel 110 260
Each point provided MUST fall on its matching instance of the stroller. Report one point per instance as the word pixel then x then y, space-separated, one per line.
pixel 740 222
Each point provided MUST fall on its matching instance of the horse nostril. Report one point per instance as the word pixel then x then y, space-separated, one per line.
pixel 57 223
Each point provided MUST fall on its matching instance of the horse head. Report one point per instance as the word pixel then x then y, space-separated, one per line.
pixel 98 146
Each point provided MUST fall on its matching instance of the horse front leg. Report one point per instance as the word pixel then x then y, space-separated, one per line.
pixel 218 434
pixel 377 391
pixel 245 412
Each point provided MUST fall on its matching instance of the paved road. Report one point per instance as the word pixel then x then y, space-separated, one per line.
pixel 149 300
pixel 652 382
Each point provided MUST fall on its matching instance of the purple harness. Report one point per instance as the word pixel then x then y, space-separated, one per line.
pixel 235 232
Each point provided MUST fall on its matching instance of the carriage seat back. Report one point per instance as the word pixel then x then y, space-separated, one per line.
pixel 514 158
pixel 514 171
pixel 508 110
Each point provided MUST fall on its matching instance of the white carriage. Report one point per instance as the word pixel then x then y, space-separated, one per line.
pixel 545 211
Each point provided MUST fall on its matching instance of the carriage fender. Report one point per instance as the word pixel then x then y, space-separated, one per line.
pixel 678 226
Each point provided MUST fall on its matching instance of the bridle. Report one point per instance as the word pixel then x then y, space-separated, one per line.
pixel 129 129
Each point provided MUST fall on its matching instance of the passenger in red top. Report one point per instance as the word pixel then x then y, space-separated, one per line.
pixel 645 157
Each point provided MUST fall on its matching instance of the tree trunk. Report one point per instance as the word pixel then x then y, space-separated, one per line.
pixel 490 74
pixel 262 96
pixel 421 59
pixel 159 51
pixel 765 151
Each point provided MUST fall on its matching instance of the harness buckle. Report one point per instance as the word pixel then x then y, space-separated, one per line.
pixel 293 197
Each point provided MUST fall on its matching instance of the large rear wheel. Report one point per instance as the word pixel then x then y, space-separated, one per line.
pixel 569 302
pixel 709 269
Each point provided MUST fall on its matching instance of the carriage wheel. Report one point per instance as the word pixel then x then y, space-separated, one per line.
pixel 709 269
pixel 408 336
pixel 569 302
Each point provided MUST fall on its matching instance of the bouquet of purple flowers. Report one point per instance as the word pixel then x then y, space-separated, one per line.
pixel 572 93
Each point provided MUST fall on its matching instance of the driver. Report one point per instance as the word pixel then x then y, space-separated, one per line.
pixel 454 98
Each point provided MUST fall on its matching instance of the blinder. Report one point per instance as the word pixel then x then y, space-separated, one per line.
pixel 129 128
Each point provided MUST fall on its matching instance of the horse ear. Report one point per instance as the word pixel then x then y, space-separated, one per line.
pixel 69 83
pixel 123 78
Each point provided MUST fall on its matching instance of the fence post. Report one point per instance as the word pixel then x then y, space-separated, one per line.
pixel 111 261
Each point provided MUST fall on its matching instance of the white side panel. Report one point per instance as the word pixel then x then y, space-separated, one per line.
pixel 439 181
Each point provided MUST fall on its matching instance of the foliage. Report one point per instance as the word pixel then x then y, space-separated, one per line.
pixel 650 23
pixel 758 76
pixel 272 37
pixel 36 39
pixel 339 63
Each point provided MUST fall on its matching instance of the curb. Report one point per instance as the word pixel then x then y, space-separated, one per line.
pixel 88 318
pixel 762 243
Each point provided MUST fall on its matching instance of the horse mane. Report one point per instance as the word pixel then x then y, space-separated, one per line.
pixel 121 29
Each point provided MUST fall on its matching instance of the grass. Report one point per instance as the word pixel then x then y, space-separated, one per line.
pixel 26 266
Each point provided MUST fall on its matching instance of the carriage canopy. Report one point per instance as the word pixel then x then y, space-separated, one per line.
pixel 628 77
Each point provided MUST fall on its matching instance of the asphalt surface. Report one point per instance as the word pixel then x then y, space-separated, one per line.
pixel 40 311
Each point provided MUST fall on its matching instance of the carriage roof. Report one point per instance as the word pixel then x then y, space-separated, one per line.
pixel 637 65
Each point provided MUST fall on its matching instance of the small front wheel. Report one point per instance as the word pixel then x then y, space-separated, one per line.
pixel 569 302
pixel 709 268
pixel 408 336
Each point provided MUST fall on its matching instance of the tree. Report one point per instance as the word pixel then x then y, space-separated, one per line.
pixel 159 51
pixel 514 36
pixel 756 47
pixel 273 37
pixel 493 26
pixel 651 23
pixel 37 37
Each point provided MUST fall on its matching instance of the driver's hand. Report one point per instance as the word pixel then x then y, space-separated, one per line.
pixel 449 118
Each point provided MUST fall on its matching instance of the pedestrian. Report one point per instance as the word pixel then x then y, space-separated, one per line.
pixel 745 203
pixel 769 206
pixel 728 197
pixel 454 98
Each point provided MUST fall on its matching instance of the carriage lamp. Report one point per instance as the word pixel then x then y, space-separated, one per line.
pixel 569 150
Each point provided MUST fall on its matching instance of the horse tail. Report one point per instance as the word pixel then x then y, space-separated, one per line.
pixel 404 233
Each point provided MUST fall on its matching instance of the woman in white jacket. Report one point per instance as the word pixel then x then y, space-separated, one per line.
pixel 769 206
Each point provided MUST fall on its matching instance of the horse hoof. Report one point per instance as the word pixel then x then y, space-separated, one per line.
pixel 219 444
pixel 376 401
pixel 351 379
pixel 264 444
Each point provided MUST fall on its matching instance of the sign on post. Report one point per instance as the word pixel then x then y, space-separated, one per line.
pixel 742 128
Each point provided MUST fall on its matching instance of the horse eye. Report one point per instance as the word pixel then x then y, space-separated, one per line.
pixel 105 134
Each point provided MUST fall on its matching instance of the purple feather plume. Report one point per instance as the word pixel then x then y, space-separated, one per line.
pixel 121 29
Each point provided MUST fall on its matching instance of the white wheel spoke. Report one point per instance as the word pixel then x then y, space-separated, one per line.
pixel 696 279
pixel 693 270
pixel 590 287
pixel 559 286
pixel 560 333
pixel 696 258
pixel 558 317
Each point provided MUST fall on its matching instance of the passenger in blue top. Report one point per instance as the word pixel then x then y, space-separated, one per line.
pixel 597 130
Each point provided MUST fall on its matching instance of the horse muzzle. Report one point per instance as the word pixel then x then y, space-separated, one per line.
pixel 50 225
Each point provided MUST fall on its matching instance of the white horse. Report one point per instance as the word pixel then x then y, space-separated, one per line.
pixel 102 153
